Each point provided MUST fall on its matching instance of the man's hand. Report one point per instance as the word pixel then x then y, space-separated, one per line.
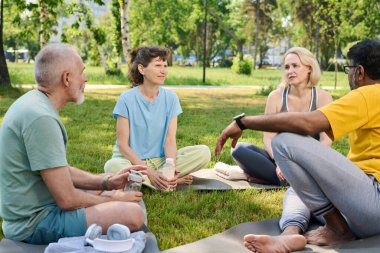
pixel 129 196
pixel 118 180
pixel 233 132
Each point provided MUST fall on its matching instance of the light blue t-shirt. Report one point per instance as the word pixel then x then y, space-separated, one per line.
pixel 148 120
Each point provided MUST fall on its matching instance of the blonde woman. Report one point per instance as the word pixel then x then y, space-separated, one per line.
pixel 296 93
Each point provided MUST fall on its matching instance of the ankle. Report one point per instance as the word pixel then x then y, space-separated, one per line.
pixel 292 230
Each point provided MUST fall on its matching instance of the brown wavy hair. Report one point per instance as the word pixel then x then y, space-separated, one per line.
pixel 143 56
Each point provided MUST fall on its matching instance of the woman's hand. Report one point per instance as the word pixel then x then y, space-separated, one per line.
pixel 157 179
pixel 174 181
pixel 279 174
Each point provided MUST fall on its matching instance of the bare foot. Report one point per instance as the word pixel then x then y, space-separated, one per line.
pixel 256 180
pixel 274 244
pixel 188 179
pixel 326 236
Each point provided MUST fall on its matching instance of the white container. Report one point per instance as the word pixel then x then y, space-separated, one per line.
pixel 169 169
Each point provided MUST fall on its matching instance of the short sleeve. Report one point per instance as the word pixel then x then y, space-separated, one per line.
pixel 45 143
pixel 121 108
pixel 346 114
pixel 176 108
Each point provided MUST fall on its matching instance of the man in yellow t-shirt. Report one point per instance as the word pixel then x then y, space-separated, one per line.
pixel 345 193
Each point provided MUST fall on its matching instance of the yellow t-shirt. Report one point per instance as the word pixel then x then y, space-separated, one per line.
pixel 358 114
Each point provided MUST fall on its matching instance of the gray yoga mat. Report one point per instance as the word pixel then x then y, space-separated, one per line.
pixel 206 179
pixel 232 241
pixel 9 246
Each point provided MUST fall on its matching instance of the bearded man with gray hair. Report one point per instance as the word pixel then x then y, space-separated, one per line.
pixel 42 198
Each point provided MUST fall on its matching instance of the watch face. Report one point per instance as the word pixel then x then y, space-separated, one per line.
pixel 239 116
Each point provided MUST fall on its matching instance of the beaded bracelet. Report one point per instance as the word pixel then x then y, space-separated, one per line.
pixel 106 183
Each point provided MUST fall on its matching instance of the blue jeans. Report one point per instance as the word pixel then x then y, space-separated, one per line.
pixel 325 179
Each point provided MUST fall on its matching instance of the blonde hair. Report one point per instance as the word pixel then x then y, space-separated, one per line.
pixel 307 59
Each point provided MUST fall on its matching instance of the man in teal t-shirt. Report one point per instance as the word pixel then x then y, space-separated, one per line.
pixel 42 198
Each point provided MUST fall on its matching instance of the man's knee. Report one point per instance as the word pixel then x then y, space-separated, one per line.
pixel 136 217
pixel 279 141
pixel 282 140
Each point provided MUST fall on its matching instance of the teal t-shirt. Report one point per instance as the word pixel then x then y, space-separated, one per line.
pixel 148 120
pixel 32 138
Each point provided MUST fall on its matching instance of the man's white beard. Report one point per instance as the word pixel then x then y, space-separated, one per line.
pixel 80 100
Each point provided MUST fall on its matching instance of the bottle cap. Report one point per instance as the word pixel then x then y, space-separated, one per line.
pixel 169 160
pixel 135 176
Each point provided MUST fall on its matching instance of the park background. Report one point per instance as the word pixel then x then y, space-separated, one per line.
pixel 214 44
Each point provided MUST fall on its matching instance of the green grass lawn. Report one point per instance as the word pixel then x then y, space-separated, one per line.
pixel 22 73
pixel 176 218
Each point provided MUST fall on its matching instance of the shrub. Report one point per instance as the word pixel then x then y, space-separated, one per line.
pixel 265 91
pixel 242 66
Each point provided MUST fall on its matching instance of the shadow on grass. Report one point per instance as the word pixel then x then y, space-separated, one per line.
pixel 10 92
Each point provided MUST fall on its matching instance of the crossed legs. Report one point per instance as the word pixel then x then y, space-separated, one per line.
pixel 331 187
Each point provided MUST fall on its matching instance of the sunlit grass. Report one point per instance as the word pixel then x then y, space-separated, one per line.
pixel 178 217
pixel 23 73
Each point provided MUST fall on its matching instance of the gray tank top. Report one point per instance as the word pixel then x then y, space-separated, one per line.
pixel 313 103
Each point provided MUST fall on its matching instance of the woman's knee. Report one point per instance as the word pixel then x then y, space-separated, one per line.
pixel 204 154
pixel 239 149
pixel 114 165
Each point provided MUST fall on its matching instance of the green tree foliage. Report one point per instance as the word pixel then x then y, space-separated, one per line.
pixel 260 26
pixel 327 26
pixel 99 37
pixel 323 26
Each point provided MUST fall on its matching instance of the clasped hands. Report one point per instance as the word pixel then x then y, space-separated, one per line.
pixel 161 182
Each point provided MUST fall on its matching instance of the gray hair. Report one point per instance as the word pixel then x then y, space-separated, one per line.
pixel 51 61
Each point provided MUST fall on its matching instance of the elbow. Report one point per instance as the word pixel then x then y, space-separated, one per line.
pixel 66 203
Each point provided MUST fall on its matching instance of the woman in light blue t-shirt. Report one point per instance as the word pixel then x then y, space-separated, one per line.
pixel 146 117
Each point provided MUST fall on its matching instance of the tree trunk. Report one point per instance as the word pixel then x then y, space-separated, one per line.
pixel 335 62
pixel 204 42
pixel 257 32
pixel 4 74
pixel 125 39
pixel 317 41
pixel 44 15
pixel 103 60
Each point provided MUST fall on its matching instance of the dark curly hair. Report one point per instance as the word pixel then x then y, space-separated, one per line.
pixel 367 54
pixel 143 56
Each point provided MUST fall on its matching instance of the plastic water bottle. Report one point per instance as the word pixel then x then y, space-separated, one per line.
pixel 169 169
pixel 135 181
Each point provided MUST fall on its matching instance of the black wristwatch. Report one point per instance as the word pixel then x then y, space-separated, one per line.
pixel 238 121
